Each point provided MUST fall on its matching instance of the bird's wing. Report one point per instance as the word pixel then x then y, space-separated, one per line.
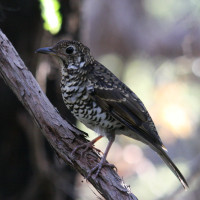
pixel 116 98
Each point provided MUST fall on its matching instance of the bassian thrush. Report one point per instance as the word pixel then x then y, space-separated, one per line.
pixel 98 99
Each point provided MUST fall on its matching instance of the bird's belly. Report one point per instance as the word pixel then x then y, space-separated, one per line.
pixel 89 113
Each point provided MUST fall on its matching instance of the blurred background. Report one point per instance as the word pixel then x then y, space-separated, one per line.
pixel 151 45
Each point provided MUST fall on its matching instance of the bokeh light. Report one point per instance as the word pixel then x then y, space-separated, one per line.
pixel 51 15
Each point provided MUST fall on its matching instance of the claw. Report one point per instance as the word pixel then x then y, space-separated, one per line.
pixel 98 168
pixel 85 148
pixel 103 161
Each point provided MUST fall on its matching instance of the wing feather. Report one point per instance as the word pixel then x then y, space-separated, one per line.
pixel 116 98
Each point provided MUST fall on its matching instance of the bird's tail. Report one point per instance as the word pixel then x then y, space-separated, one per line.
pixel 170 164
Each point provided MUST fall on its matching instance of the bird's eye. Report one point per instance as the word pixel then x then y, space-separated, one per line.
pixel 69 50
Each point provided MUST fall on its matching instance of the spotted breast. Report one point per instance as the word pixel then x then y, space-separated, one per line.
pixel 76 95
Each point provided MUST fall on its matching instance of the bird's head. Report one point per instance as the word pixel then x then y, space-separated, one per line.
pixel 69 52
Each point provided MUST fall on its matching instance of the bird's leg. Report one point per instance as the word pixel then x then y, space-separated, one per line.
pixel 87 145
pixel 103 161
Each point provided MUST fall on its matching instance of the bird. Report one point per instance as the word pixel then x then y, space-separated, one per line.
pixel 103 103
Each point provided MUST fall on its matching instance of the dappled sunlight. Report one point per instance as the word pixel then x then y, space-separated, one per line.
pixel 51 15
pixel 176 120
pixel 132 154
pixel 171 110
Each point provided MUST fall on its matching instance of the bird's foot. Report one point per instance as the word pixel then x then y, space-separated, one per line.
pixel 98 167
pixel 85 147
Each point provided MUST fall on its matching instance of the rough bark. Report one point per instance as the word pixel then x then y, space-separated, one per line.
pixel 61 135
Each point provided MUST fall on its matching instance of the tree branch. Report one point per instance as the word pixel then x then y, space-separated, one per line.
pixel 61 135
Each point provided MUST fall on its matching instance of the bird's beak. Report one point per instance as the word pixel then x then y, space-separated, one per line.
pixel 46 50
